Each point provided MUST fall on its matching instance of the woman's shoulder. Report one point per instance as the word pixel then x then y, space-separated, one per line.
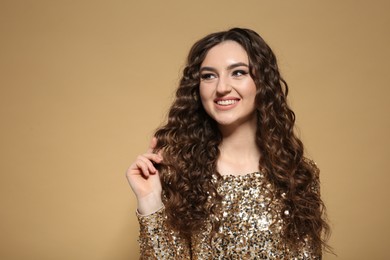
pixel 312 165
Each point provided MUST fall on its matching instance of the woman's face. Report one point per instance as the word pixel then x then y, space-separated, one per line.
pixel 227 90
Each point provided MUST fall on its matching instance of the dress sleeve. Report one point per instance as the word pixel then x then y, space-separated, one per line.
pixel 158 241
pixel 315 186
pixel 307 250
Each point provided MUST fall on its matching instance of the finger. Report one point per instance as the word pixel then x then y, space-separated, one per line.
pixel 155 158
pixel 152 145
pixel 148 163
pixel 144 165
pixel 143 168
pixel 159 153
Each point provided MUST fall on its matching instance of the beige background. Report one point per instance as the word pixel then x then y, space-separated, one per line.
pixel 85 83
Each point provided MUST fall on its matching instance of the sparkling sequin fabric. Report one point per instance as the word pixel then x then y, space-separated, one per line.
pixel 248 211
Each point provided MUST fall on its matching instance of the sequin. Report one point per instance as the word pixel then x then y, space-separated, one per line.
pixel 251 227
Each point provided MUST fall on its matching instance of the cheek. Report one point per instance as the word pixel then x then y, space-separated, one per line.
pixel 251 93
pixel 252 89
pixel 204 93
pixel 205 103
pixel 205 97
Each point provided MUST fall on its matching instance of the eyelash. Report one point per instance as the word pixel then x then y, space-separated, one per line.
pixel 236 73
pixel 242 72
pixel 207 76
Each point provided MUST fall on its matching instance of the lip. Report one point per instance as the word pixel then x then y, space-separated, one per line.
pixel 234 101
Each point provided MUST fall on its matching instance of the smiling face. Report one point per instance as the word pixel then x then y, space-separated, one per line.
pixel 227 90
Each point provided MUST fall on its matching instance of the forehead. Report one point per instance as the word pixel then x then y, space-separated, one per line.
pixel 226 52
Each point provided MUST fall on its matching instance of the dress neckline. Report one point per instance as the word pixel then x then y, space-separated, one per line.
pixel 242 176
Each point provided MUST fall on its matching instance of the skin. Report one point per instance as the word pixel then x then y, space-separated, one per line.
pixel 227 93
pixel 226 89
pixel 225 77
pixel 144 180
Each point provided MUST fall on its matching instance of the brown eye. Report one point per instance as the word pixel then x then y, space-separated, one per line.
pixel 238 73
pixel 207 76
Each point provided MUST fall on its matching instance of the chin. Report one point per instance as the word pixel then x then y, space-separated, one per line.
pixel 226 123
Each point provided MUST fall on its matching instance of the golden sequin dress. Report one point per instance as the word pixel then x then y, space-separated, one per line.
pixel 245 232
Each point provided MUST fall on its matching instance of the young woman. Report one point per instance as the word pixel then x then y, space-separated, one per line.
pixel 226 177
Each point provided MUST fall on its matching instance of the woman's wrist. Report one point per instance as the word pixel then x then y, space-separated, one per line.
pixel 149 204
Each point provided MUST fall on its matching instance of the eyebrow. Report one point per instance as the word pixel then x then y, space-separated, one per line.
pixel 230 67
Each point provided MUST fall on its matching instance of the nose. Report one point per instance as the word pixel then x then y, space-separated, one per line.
pixel 223 86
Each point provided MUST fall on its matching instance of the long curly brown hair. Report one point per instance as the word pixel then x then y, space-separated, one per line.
pixel 190 139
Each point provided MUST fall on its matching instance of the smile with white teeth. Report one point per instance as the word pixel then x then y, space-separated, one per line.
pixel 227 102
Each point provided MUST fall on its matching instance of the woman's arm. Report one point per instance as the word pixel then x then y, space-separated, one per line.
pixel 157 240
pixel 144 180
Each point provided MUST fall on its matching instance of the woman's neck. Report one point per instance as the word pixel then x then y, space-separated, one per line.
pixel 239 153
